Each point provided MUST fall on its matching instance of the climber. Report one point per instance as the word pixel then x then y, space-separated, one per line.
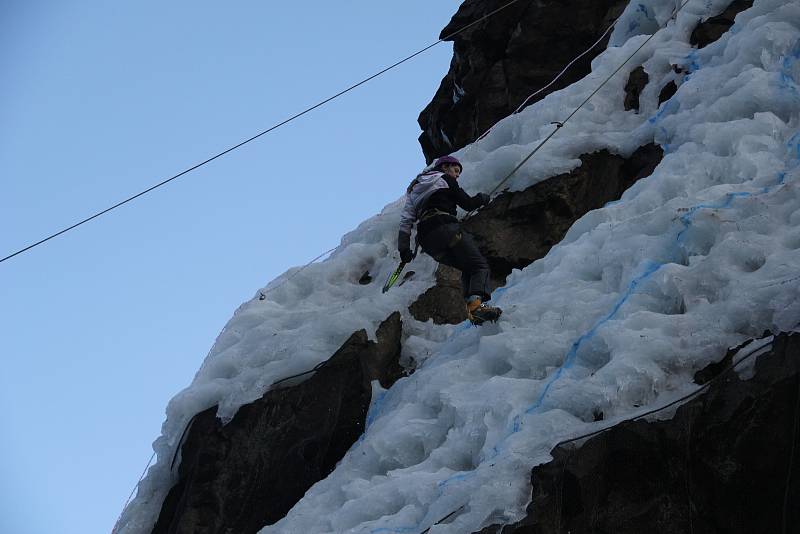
pixel 431 201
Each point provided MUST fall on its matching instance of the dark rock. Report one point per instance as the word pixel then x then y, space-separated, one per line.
pixel 713 370
pixel 667 92
pixel 406 277
pixel 381 361
pixel 712 29
pixel 637 81
pixel 516 229
pixel 249 473
pixel 498 63
pixel 727 462
pixel 444 302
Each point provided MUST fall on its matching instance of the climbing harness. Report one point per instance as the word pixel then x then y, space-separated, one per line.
pixel 430 214
pixel 434 212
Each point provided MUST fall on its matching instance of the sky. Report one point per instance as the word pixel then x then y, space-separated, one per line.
pixel 103 325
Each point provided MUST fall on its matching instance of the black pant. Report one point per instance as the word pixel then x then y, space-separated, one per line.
pixel 444 245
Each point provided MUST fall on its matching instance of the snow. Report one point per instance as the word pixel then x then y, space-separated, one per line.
pixel 639 295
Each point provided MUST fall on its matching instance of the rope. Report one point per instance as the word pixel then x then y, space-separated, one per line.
pixel 191 421
pixel 253 138
pixel 757 352
pixel 317 367
pixel 150 461
pixel 186 430
pixel 164 182
pixel 263 294
pixel 189 424
pixel 558 125
pixel 561 124
pixel 445 518
pixel 554 80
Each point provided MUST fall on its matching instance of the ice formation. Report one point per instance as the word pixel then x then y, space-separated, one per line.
pixel 640 294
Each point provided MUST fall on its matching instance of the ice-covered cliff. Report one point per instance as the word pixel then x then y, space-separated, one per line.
pixel 696 256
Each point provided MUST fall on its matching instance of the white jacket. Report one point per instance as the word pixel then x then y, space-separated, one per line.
pixel 423 186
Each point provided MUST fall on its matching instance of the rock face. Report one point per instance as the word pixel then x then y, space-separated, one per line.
pixel 727 462
pixel 247 474
pixel 516 229
pixel 637 81
pixel 712 29
pixel 667 92
pixel 498 63
pixel 444 302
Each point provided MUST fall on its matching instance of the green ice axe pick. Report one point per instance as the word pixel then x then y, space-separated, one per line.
pixel 393 277
pixel 396 274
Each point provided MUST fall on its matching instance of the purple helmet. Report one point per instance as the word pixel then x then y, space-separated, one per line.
pixel 445 160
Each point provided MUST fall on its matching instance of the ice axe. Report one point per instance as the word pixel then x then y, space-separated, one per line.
pixel 396 274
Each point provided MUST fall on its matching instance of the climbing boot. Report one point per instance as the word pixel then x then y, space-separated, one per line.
pixel 478 312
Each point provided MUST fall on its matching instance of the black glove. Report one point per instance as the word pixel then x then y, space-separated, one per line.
pixel 483 198
pixel 404 246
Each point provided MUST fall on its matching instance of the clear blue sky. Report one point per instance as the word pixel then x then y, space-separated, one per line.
pixel 100 100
